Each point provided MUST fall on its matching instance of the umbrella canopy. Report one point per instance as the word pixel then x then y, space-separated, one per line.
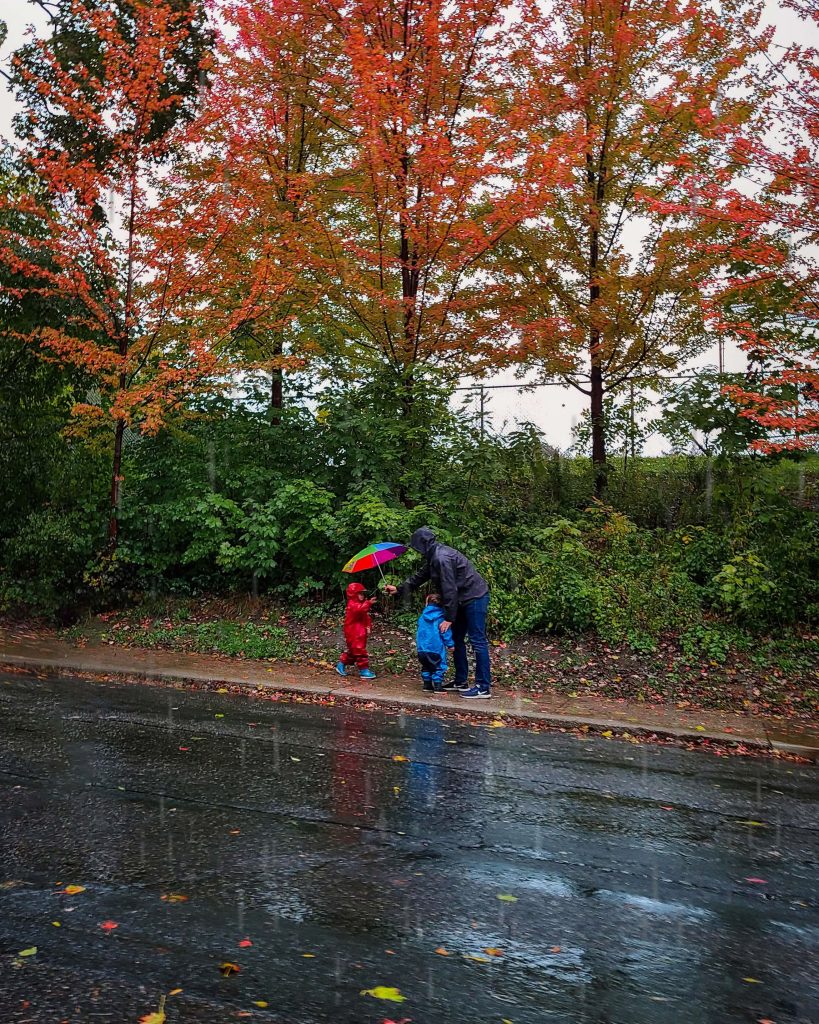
pixel 374 555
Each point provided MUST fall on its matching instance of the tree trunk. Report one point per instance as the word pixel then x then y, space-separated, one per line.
pixel 598 421
pixel 116 487
pixel 276 386
pixel 123 347
pixel 276 397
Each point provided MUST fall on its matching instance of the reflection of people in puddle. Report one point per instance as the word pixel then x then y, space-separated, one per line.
pixel 350 779
pixel 425 756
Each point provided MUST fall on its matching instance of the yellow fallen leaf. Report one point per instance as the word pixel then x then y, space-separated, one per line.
pixel 496 723
pixel 296 759
pixel 309 956
pixel 218 716
pixel 262 1003
pixel 73 890
pixel 700 728
pixel 396 790
pixel 477 959
pixel 399 757
pixel 757 824
pixel 384 992
pixel 450 741
pixel 174 897
pixel 28 952
pixel 56 924
pixel 222 689
pixel 752 981
pixel 155 1018
pixel 174 991
pixel 506 898
pixel 608 733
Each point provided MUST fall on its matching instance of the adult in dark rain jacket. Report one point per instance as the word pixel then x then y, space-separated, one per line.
pixel 465 600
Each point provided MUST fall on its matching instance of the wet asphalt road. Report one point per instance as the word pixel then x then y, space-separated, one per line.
pixel 296 828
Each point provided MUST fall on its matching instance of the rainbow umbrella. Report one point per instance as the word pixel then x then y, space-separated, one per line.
pixel 374 556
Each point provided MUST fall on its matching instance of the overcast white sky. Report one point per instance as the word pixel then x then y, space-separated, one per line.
pixel 555 410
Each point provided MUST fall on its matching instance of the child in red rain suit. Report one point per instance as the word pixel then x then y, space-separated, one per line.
pixel 357 626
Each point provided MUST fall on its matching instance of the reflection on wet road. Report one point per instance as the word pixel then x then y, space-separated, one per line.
pixel 487 874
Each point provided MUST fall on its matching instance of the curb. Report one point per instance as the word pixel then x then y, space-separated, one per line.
pixel 445 707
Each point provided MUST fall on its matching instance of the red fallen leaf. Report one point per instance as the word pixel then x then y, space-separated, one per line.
pixel 757 881
pixel 185 748
pixel 555 949
pixel 245 943
pixel 108 926
pixel 664 807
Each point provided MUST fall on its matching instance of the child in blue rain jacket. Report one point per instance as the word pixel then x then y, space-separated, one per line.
pixel 433 644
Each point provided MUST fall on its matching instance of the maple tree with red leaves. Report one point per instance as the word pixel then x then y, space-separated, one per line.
pixel 355 164
pixel 607 283
pixel 95 136
pixel 769 300
pixel 241 195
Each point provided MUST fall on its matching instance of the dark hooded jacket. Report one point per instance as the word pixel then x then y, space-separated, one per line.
pixel 453 576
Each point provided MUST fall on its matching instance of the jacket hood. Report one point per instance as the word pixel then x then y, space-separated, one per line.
pixel 354 589
pixel 423 541
pixel 432 611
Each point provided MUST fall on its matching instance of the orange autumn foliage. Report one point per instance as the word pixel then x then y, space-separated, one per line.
pixel 91 251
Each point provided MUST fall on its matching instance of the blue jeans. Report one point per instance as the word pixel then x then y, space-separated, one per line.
pixel 471 622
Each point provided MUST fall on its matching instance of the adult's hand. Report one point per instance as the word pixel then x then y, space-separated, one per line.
pixel 445 626
pixel 390 589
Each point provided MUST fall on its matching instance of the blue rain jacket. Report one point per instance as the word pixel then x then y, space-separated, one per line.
pixel 429 637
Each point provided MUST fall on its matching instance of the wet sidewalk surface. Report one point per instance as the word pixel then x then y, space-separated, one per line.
pixel 286 862
pixel 557 709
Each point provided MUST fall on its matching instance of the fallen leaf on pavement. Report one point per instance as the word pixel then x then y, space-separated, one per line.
pixel 174 991
pixel 31 951
pixel 218 716
pixel 757 881
pixel 155 1018
pixel 752 981
pixel 492 951
pixel 56 924
pixel 73 890
pixel 384 992
pixel 757 824
pixel 555 949
pixel 245 943
pixel 608 734
pixel 261 1003
pixel 174 897
pixel 399 757
pixel 477 959
pixel 108 926
pixel 441 951
pixel 228 967
pixel 506 898
pixel 497 724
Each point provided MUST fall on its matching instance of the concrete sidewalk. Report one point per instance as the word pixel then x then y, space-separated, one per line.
pixel 47 654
